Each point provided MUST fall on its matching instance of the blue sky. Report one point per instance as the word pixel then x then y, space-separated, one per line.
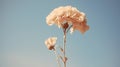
pixel 23 30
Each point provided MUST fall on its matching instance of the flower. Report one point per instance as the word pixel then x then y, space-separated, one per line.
pixel 69 15
pixel 82 27
pixel 50 42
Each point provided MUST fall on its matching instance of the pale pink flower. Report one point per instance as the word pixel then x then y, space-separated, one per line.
pixel 82 27
pixel 70 15
pixel 50 42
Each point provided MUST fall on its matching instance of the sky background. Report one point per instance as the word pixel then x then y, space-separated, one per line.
pixel 23 30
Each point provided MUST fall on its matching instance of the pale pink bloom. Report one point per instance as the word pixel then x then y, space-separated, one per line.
pixel 70 15
pixel 82 27
pixel 50 42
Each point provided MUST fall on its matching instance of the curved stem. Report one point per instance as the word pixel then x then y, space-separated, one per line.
pixel 57 58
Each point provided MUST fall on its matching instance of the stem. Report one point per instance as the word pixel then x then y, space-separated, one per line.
pixel 57 58
pixel 64 54
pixel 69 28
pixel 66 28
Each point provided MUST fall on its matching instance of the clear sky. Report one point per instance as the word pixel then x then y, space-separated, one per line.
pixel 23 30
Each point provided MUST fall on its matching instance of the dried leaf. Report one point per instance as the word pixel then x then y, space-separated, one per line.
pixel 61 58
pixel 61 49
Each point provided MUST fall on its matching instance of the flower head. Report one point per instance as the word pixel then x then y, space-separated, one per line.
pixel 69 15
pixel 50 42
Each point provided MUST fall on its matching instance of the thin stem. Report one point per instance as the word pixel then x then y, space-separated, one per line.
pixel 65 30
pixel 69 28
pixel 66 27
pixel 57 58
pixel 64 54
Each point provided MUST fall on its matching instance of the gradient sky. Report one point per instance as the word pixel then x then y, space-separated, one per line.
pixel 23 30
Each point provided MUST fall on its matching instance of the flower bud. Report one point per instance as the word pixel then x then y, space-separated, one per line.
pixel 50 42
